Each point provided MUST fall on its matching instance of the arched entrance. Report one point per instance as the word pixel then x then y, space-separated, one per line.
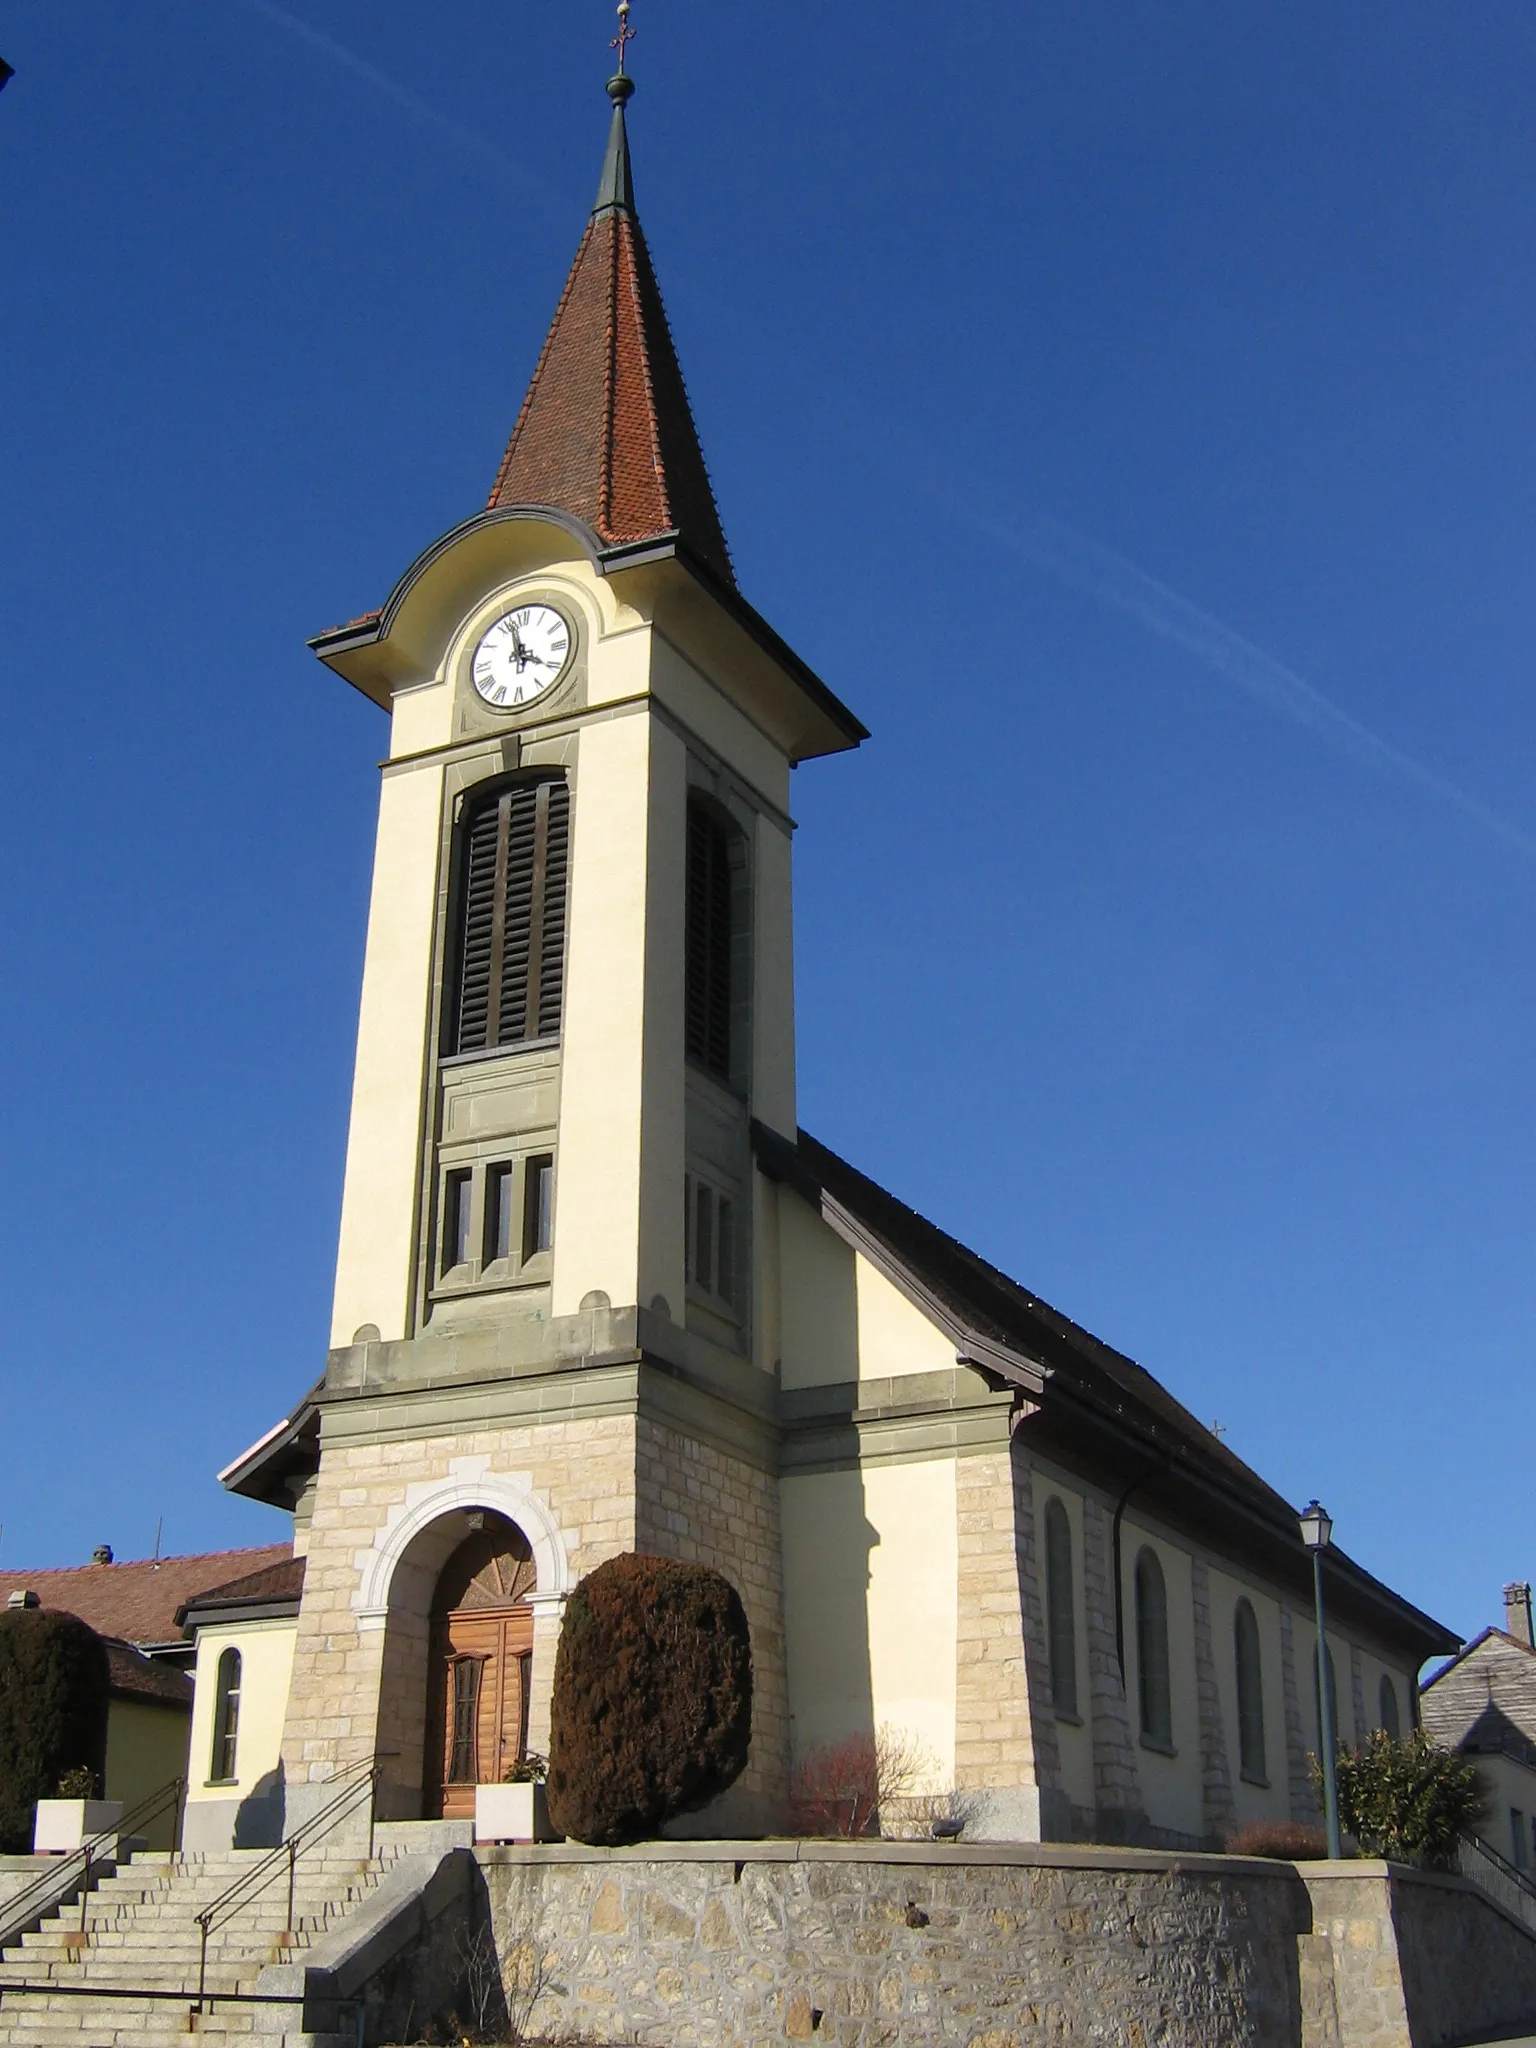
pixel 479 1663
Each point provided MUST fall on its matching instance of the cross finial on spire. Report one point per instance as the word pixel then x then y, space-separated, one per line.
pixel 625 36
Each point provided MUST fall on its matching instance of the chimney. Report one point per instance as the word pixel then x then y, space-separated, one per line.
pixel 102 1554
pixel 1517 1614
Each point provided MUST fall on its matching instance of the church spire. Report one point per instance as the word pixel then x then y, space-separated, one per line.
pixel 606 431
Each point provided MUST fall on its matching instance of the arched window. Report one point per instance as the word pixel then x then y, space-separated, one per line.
pixel 1317 1699
pixel 1389 1715
pixel 1250 1695
pixel 1059 1615
pixel 514 857
pixel 715 917
pixel 1152 1652
pixel 226 1718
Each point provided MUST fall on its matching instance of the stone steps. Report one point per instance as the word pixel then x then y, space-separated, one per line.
pixel 140 1932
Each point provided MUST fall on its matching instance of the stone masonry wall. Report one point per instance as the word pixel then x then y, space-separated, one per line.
pixel 908 1945
pixel 696 1502
pixel 356 1691
pixel 1116 1779
pixel 999 1728
pixel 886 1945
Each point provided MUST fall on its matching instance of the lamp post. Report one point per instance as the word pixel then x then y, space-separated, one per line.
pixel 1317 1534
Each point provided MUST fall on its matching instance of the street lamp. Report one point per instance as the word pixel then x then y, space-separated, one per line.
pixel 1317 1534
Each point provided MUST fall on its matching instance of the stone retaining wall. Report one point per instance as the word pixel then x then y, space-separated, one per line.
pixel 897 1944
pixel 920 1945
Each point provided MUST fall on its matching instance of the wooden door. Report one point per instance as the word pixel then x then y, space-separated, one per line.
pixel 481 1650
pixel 481 1661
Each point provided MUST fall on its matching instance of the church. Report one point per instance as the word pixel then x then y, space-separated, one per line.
pixel 597 1291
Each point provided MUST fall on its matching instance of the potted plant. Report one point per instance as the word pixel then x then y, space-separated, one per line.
pixel 515 1810
pixel 66 1823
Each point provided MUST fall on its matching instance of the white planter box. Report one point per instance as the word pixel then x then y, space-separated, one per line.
pixel 511 1813
pixel 63 1825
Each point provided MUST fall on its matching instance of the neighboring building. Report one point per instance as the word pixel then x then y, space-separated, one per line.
pixel 134 1608
pixel 243 1632
pixel 596 1291
pixel 1483 1703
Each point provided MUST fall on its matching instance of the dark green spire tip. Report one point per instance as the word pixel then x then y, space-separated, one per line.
pixel 615 191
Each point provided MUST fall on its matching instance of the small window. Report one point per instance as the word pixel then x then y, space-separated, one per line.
pixel 538 1205
pixel 458 1204
pixel 1390 1719
pixel 1250 1695
pixel 498 1213
pixel 1060 1617
pixel 1152 1652
pixel 711 1248
pixel 226 1718
pixel 464 1706
pixel 1518 1838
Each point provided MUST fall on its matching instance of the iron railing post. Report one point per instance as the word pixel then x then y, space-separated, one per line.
pixel 293 1858
pixel 202 1964
pixel 85 1886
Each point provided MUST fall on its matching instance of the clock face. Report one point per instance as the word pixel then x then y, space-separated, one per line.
pixel 521 655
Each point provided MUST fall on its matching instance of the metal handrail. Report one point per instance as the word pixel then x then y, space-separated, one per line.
pixel 286 1856
pixel 1522 1881
pixel 20 1907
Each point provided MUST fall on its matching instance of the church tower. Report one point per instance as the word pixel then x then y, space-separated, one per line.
pixel 554 1333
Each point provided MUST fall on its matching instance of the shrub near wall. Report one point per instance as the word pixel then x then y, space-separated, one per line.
pixel 53 1713
pixel 652 1710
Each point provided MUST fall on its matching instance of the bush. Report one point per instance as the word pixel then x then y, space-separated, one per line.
pixel 652 1709
pixel 842 1788
pixel 1409 1800
pixel 1288 1841
pixel 53 1712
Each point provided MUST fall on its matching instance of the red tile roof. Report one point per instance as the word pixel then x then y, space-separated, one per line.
pixel 138 1601
pixel 281 1581
pixel 137 1677
pixel 606 430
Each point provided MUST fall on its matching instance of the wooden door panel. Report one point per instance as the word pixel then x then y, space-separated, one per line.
pixel 479 1671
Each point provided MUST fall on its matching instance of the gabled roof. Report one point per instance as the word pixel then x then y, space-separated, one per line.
pixel 1089 1396
pixel 276 1589
pixel 133 1676
pixel 606 431
pixel 137 1601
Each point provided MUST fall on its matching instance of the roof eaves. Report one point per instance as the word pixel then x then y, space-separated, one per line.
pixel 783 1162
pixel 778 649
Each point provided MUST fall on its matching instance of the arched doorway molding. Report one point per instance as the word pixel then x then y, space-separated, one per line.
pixel 431 1520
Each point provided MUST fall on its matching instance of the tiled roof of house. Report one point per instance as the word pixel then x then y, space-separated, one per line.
pixel 137 1677
pixel 137 1601
pixel 606 431
pixel 283 1581
pixel 1494 1670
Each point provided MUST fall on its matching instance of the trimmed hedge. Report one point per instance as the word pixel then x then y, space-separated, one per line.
pixel 652 1710
pixel 54 1684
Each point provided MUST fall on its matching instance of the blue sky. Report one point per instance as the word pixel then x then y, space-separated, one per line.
pixel 1129 411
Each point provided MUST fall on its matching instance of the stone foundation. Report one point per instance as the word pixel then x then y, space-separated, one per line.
pixel 912 1945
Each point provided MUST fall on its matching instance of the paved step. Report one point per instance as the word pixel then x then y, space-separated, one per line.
pixel 140 1932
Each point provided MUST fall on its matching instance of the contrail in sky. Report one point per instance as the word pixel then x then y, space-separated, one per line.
pixel 1099 572
pixel 434 117
pixel 1071 557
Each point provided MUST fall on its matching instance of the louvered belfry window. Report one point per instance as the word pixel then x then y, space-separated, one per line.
pixel 708 977
pixel 516 860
